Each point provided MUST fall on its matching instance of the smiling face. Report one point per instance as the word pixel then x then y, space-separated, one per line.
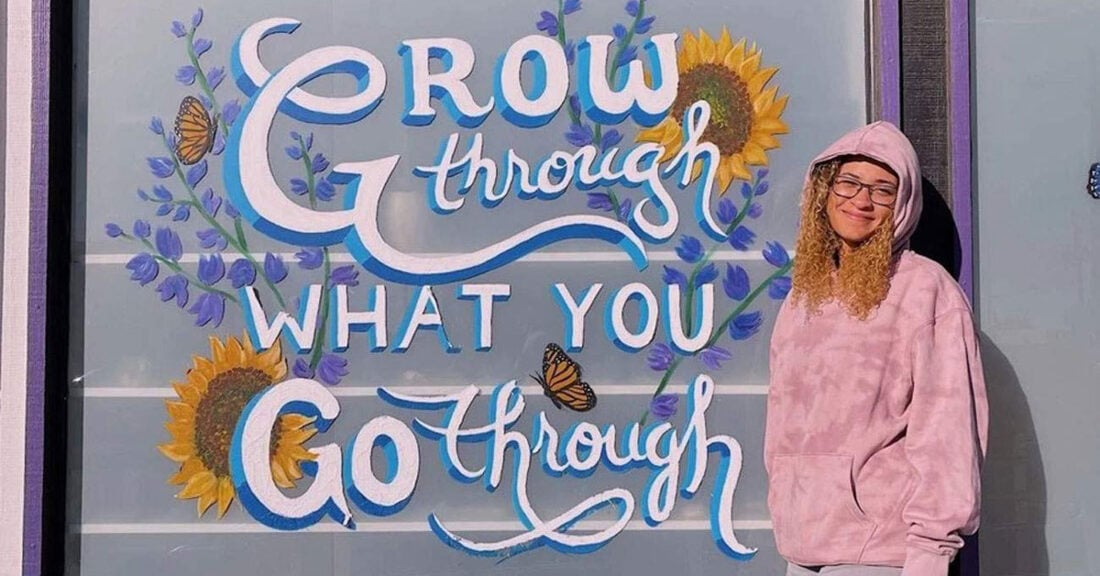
pixel 855 219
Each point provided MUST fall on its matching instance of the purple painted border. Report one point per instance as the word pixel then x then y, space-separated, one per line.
pixel 36 287
pixel 958 19
pixel 889 60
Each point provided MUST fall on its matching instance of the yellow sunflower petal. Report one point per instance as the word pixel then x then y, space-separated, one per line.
pixel 298 453
pixel 740 170
pixel 206 500
pixel 234 352
pixel 764 100
pixel 696 170
pixel 177 451
pixel 765 140
pixel 770 125
pixel 725 175
pixel 725 44
pixel 225 495
pixel 292 470
pixel 294 421
pixel 182 432
pixel 756 84
pixel 707 49
pixel 199 381
pixel 217 350
pixel 189 468
pixel 777 108
pixel 689 53
pixel 187 393
pixel 204 367
pixel 736 56
pixel 200 483
pixel 750 66
pixel 279 475
pixel 672 142
pixel 179 411
pixel 754 154
pixel 296 436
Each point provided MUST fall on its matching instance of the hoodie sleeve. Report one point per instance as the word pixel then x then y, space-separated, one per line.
pixel 945 442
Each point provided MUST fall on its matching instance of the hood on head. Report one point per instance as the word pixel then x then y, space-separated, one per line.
pixel 882 141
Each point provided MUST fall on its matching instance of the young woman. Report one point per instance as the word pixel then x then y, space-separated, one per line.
pixel 877 415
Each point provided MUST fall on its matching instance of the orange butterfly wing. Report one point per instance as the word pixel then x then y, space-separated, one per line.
pixel 195 131
pixel 561 381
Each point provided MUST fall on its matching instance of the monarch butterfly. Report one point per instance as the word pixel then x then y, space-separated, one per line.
pixel 195 131
pixel 1093 187
pixel 561 381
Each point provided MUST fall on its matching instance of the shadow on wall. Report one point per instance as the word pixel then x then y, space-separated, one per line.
pixel 1014 487
pixel 1014 505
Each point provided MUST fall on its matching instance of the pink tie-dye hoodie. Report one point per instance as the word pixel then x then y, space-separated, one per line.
pixel 876 429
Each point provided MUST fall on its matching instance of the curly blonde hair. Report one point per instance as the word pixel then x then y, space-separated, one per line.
pixel 858 278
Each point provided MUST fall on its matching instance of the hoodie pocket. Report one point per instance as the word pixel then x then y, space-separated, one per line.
pixel 814 511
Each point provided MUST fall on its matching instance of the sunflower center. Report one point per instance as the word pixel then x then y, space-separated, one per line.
pixel 730 106
pixel 218 411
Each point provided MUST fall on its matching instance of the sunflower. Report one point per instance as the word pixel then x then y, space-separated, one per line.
pixel 744 116
pixel 204 418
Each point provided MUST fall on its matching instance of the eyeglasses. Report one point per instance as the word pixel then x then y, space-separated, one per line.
pixel 846 187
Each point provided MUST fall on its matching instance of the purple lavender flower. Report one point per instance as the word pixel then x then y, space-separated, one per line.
pixel 201 46
pixel 690 249
pixel 141 228
pixel 325 190
pixel 610 138
pixel 178 30
pixel 619 31
pixel 142 195
pixel 745 325
pixel 301 368
pixel 174 287
pixel 169 244
pixel 319 164
pixel 742 238
pixel 755 210
pixel 776 254
pixel 309 141
pixel 159 190
pixel 209 307
pixel 629 54
pixel 714 356
pixel 579 134
pixel 156 126
pixel 644 24
pixel 196 173
pixel 707 275
pixel 761 188
pixel 746 190
pixel 575 104
pixel 663 406
pixel 183 212
pixel 571 6
pixel 161 167
pixel 211 202
pixel 164 209
pixel 143 268
pixel 779 288
pixel 599 201
pixel 570 52
pixel 294 152
pixel 331 369
pixel 346 275
pixel 727 211
pixel 215 77
pixel 309 258
pixel 241 273
pixel 211 239
pixel 298 186
pixel 113 230
pixel 211 269
pixel 674 276
pixel 660 357
pixel 624 209
pixel 186 75
pixel 231 211
pixel 274 268
pixel 736 282
pixel 230 111
pixel 547 23
pixel 196 19
pixel 632 8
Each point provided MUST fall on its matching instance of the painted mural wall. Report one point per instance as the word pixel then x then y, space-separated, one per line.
pixel 438 287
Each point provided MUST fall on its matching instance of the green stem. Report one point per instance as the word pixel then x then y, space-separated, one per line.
pixel 627 39
pixel 235 242
pixel 687 312
pixel 203 83
pixel 561 40
pixel 319 337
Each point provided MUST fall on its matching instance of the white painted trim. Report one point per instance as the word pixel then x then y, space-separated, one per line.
pixel 540 257
pixel 13 331
pixel 360 391
pixel 393 527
